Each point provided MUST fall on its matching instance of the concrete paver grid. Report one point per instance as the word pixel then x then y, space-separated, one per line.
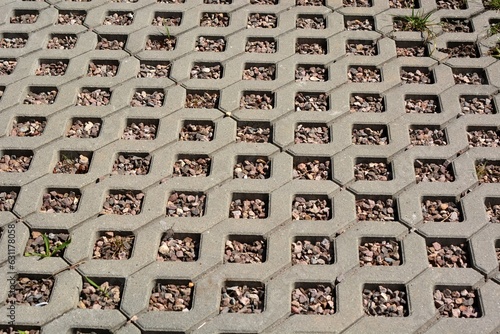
pixel 103 80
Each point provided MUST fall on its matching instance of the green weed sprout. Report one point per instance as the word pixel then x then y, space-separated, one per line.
pixel 48 251
pixel 97 286
pixel 494 29
pixel 492 4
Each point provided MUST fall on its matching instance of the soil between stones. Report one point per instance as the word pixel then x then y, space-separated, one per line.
pixel 241 252
pixel 13 163
pixel 383 253
pixel 171 297
pixel 112 246
pixel 305 251
pixel 456 303
pixel 437 210
pixel 242 299
pixel 318 300
pixel 31 291
pixel 385 302
pixel 447 256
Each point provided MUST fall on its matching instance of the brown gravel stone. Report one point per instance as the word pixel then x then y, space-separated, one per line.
pixel 364 74
pixel 119 19
pixel 416 76
pixel 113 246
pixel 368 136
pixel 359 24
pixel 140 131
pixel 492 206
pixel 132 164
pixel 451 4
pixel 428 171
pixel 456 25
pixel 259 72
pixel 403 4
pixel 27 18
pixel 257 100
pixel 317 300
pixel 161 43
pixel 260 20
pixel 375 209
pixel 311 102
pixel 367 103
pixel 252 168
pixel 310 22
pixel 372 171
pixel 197 132
pixel 487 137
pixel 102 69
pixel 422 106
pixel 477 105
pixel 379 253
pixel 310 209
pixel 385 302
pixel 309 2
pixel 148 98
pixel 72 163
pixel 488 171
pixel 106 43
pixel 307 47
pixel 447 256
pixel 307 251
pixel 185 205
pixel 312 169
pixel 427 137
pixel 469 78
pixel 437 210
pixel 7 66
pixel 36 243
pixel 192 166
pixel 171 1
pixel 123 203
pixel 94 97
pixel 251 134
pixel 210 44
pixel 311 134
pixel 214 20
pixel 60 202
pixel 165 19
pixel 256 45
pixel 171 297
pixel 62 42
pixel 244 208
pixel 218 2
pixel 52 68
pixel 311 73
pixel 22 127
pixel 357 3
pixel 242 299
pixel 411 51
pixel 181 249
pixel 245 253
pixel 30 291
pixel 463 50
pixel 14 162
pixel 107 297
pixel 206 71
pixel 71 17
pixel 361 49
pixel 208 99
pixel 38 97
pixel 154 70
pixel 264 2
pixel 13 42
pixel 456 303
pixel 7 199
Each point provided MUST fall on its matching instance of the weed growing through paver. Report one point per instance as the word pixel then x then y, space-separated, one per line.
pixel 495 51
pixel 488 171
pixel 313 298
pixel 171 296
pixel 417 21
pixel 492 4
pixel 54 244
pixel 113 246
pixel 95 296
pixel 494 29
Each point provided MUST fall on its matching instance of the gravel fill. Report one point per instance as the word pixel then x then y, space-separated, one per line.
pixel 31 291
pixel 366 74
pixel 477 105
pixel 402 4
pixel 264 2
pixel 254 168
pixel 202 71
pixel 210 44
pixel 311 102
pixel 311 22
pixel 359 24
pixel 436 210
pixel 451 4
pixel 305 251
pixel 258 100
pixel 264 72
pixel 242 299
pixel 318 300
pixel 312 134
pixel 171 297
pixel 493 211
pixel 130 164
pixel 152 99
pixel 154 70
pixel 260 20
pixel 357 3
pixel 102 70
pixel 311 73
pixel 385 302
pixel 36 243
pixel 13 42
pixel 375 209
pixel 46 97
pixel 192 167
pixel 361 49
pixel 28 128
pixel 457 303
pixel 368 136
pixel 73 163
pixel 411 51
pixel 423 76
pixel 372 171
pixel 433 172
pixel 250 134
pixel 241 252
pixel 166 20
pixel 171 1
pixel 140 131
pixel 305 48
pixel 214 20
pixel 51 68
pixel 126 203
pixel 309 2
pixel 93 97
pixel 260 46
pixel 464 50
pixel 218 2
pixel 456 25
pixel 104 43
pixel 422 106
pixel 427 137
pixel 484 138
pixel 66 42
pixel 469 78
pixel 7 200
pixel 71 18
pixel 209 100
pixel 24 18
pixel 310 209
pixel 366 103
pixel 178 250
pixel 317 169
pixel 107 297
pixel 488 172
pixel 197 132
pixel 14 163
pixel 111 246
pixel 7 66
pixel 185 205
pixel 119 19
pixel 248 209
pixel 84 129
pixel 447 256
pixel 379 253
pixel 158 43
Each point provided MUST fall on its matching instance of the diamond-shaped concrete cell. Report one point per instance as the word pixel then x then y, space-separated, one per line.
pixel 60 200
pixel 113 245
pixel 154 69
pixel 312 168
pixel 370 134
pixel 172 296
pixel 186 204
pixel 249 206
pixel 254 132
pixel 376 208
pixel 40 95
pixel 179 247
pixel 166 19
pixel 483 136
pixel 252 167
pixel 488 171
pixel 101 293
pixel 73 162
pixel 312 101
pixel 123 202
pixel 141 129
pixel 111 42
pixel 52 67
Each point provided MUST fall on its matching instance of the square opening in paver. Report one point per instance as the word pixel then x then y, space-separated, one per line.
pixel 60 200
pixel 206 99
pixel 310 21
pixel 249 206
pixel 197 131
pixel 312 168
pixel 93 96
pixel 461 50
pixel 312 101
pixel 312 133
pixel 388 300
pixel 451 4
pixel 179 247
pixel 81 330
pixel 111 42
pixel 103 68
pixel 171 295
pixel 101 293
pixel 312 207
pixel 497 250
pixel 160 43
pixel 84 128
pixel 372 169
pixel 433 170
pixel 364 74
pixel 252 167
pixel 122 202
pixel 207 71
pixel 31 289
pixel 210 44
pixel 441 209
pixel 422 104
pixel 26 126
pixel 359 47
pixel 361 23
pixel 140 129
pixel 192 165
pixel 148 97
pixel 24 16
pixel 215 20
pixel 215 2
pixel 52 67
pixel 15 161
pixel 404 4
pixel 245 249
pixel 113 245
pixel 13 40
pixel 478 104
pixel 242 297
pixel 448 253
pixel 262 20
pixel 469 76
pixel 264 2
pixel 167 19
pixel 369 134
pixel 312 250
pixel 427 135
pixel 254 132
pixel 62 42
pixel 261 45
pixel 71 17
pixel 357 3
pixel 186 204
pixel 492 207
pixel 488 171
pixel 41 95
pixel 376 208
pixel 362 102
pixel 416 75
pixel 412 49
pixel 483 136
pixel 263 100
pixel 132 163
pixel 120 18
pixel 45 243
pixel 311 46
pixel 457 302
pixel 458 25
pixel 8 197
pixel 379 252
pixel 313 299
pixel 7 66
pixel 73 162
pixel 309 2
pixel 154 69
pixel 308 72
pixel 259 71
